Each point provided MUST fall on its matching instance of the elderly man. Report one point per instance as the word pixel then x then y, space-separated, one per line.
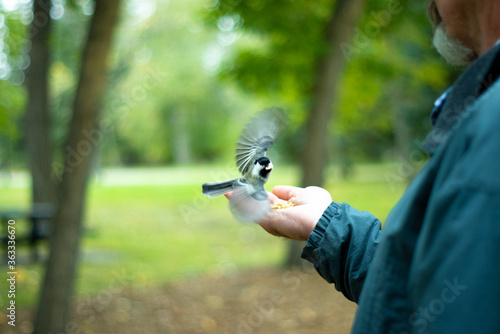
pixel 435 266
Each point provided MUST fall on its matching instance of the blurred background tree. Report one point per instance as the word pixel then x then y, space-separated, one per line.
pixel 82 138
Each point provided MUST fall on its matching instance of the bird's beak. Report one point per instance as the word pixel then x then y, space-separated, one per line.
pixel 270 166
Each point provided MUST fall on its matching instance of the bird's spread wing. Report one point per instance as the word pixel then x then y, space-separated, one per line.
pixel 258 136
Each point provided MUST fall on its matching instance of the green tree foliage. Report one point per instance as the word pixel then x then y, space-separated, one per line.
pixel 392 67
pixel 13 61
pixel 164 103
pixel 275 56
pixel 394 76
pixel 69 32
pixel 281 41
pixel 167 106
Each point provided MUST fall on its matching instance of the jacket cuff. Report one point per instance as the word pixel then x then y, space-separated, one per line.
pixel 309 252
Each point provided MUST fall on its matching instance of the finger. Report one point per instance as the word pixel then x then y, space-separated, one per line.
pixel 228 195
pixel 274 199
pixel 281 224
pixel 286 192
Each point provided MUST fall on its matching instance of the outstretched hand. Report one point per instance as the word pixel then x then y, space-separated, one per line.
pixel 295 222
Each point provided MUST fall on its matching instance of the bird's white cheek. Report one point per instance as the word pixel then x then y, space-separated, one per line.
pixel 255 172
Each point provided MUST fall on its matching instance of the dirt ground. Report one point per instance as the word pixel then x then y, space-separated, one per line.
pixel 260 301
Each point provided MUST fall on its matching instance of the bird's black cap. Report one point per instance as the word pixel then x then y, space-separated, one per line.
pixel 264 161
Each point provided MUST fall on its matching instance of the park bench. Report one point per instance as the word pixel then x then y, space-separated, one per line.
pixel 39 220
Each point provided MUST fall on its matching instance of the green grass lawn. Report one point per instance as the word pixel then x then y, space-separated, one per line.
pixel 167 230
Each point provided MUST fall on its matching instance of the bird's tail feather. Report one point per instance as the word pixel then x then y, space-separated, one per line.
pixel 218 188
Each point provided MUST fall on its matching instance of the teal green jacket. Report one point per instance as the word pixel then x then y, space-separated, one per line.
pixel 435 266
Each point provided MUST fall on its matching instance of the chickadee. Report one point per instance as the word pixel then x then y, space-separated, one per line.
pixel 249 201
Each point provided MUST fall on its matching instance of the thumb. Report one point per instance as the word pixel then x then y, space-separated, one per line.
pixel 286 192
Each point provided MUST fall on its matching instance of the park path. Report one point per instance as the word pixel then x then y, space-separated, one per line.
pixel 258 301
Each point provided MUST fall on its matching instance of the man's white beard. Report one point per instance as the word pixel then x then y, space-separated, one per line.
pixel 450 49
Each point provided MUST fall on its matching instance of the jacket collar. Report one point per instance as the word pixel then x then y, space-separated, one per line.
pixel 476 79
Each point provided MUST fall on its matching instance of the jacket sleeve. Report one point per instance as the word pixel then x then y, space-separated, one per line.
pixel 342 246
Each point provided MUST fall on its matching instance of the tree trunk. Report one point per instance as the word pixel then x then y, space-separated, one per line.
pixel 293 258
pixel 339 29
pixel 400 124
pixel 83 137
pixel 330 68
pixel 180 140
pixel 37 118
